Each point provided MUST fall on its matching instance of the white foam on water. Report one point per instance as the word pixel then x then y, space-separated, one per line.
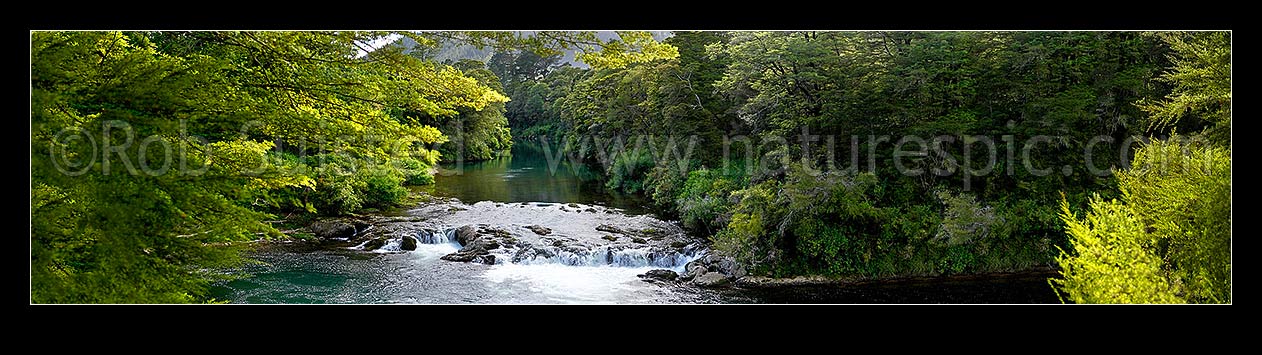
pixel 558 283
pixel 434 251
pixel 604 256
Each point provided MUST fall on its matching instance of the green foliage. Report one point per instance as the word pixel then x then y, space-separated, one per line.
pixel 214 131
pixel 1113 260
pixel 1202 85
pixel 746 237
pixel 629 169
pixel 833 218
pixel 1183 192
pixel 964 220
pixel 475 133
pixel 344 185
pixel 382 188
pixel 703 200
pixel 629 47
pixel 1168 240
pixel 1074 86
pixel 773 86
pixel 416 172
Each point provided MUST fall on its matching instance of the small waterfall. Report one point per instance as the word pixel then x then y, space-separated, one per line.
pixel 629 257
pixel 617 256
pixel 392 245
pixel 423 236
pixel 429 236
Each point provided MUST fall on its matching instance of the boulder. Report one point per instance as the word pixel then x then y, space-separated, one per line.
pixel 539 229
pixel 332 229
pixel 459 257
pixel 608 228
pixel 694 269
pixel 375 244
pixel 361 226
pixel 659 274
pixel 485 259
pixel 711 279
pixel 485 244
pixel 638 240
pixel 610 238
pixel 408 243
pixel 498 233
pixel 466 234
pixel 653 233
pixel 529 253
pixel 729 267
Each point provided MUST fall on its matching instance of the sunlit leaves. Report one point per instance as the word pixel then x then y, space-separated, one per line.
pixel 1167 240
pixel 1202 83
pixel 181 139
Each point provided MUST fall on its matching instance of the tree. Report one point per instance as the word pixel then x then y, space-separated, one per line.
pixel 477 134
pixel 200 130
pixel 1201 75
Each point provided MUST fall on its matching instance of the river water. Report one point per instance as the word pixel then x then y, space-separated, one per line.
pixel 300 273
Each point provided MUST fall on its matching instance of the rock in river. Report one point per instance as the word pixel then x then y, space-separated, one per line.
pixel 711 279
pixel 465 234
pixel 539 229
pixel 693 270
pixel 408 243
pixel 608 228
pixel 460 257
pixel 659 274
pixel 375 244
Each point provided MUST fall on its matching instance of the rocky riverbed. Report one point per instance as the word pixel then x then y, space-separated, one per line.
pixel 537 233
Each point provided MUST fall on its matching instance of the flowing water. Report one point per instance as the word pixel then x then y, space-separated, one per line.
pixel 523 189
pixel 303 274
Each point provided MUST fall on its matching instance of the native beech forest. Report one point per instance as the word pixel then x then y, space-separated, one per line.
pixel 159 158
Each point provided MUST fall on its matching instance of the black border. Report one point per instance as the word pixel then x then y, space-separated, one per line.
pixel 872 15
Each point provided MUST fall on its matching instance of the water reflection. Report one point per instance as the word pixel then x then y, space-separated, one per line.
pixel 527 174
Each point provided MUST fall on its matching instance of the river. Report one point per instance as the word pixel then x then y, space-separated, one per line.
pixel 523 189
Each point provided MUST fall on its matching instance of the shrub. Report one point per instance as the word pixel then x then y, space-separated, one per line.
pixel 703 199
pixel 345 185
pixel 415 172
pixel 964 219
pixel 381 187
pixel 1113 259
pixel 746 238
pixel 1167 240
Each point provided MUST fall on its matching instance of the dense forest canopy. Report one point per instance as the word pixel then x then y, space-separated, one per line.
pixel 877 154
pixel 845 154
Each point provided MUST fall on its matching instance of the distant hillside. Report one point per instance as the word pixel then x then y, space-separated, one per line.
pixel 449 51
pixel 455 52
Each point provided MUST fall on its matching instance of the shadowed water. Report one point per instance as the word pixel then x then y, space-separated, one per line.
pixel 527 175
